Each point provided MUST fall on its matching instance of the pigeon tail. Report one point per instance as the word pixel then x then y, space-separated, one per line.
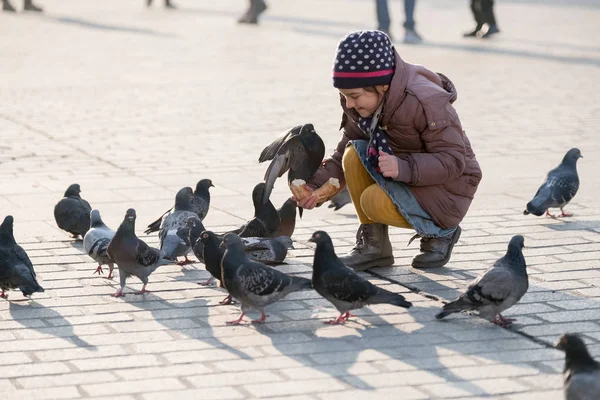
pixel 30 289
pixel 454 307
pixel 299 283
pixel 385 297
pixel 538 205
pixel 154 226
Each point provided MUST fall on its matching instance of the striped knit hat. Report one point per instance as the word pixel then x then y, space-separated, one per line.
pixel 363 58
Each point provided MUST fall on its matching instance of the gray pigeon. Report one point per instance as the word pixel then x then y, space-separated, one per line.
pixel 16 270
pixel 343 287
pixel 287 218
pixel 558 190
pixel 581 372
pixel 72 213
pixel 299 150
pixel 200 204
pixel 268 250
pixel 252 283
pixel 497 289
pixel 133 256
pixel 266 218
pixel 174 233
pixel 95 243
pixel 340 200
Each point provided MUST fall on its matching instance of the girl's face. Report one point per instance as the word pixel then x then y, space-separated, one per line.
pixel 363 101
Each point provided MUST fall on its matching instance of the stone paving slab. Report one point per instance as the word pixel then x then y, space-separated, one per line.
pixel 133 103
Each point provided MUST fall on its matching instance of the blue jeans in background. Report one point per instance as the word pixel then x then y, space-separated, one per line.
pixel 383 15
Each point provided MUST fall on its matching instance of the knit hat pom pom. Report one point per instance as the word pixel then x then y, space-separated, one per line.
pixel 363 59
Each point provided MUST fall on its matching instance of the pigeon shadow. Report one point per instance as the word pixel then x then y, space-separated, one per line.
pixel 176 316
pixel 83 23
pixel 30 314
pixel 566 225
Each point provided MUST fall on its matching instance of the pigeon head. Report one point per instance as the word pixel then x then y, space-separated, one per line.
pixel 202 186
pixel 231 241
pixel 73 190
pixel 208 236
pixel 320 237
pixel 286 241
pixel 572 156
pixel 183 199
pixel 310 139
pixel 95 219
pixel 575 349
pixel 6 229
pixel 257 197
pixel 515 249
pixel 130 216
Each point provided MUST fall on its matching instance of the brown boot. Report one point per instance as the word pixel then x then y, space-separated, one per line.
pixel 435 252
pixel 6 6
pixel 29 6
pixel 372 248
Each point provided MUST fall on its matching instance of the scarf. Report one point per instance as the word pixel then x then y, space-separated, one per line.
pixel 378 138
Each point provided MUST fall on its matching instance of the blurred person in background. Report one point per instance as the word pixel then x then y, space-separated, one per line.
pixel 256 8
pixel 168 4
pixel 483 11
pixel 27 6
pixel 383 20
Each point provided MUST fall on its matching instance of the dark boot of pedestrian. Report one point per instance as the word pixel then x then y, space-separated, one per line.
pixel 474 32
pixel 478 14
pixel 6 6
pixel 29 6
pixel 492 30
pixel 256 8
pixel 372 248
pixel 436 252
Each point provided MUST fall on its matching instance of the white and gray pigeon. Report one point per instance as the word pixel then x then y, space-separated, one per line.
pixel 16 269
pixel 267 250
pixel 72 213
pixel 200 204
pixel 95 243
pixel 497 289
pixel 340 200
pixel 252 283
pixel 581 373
pixel 174 231
pixel 132 255
pixel 558 190
pixel 343 287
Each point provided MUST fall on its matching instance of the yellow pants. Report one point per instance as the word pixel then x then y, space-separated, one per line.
pixel 372 204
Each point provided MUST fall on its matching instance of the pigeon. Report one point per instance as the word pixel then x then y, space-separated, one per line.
pixel 133 255
pixel 299 151
pixel 287 218
pixel 558 190
pixel 252 283
pixel 207 247
pixel 497 289
pixel 72 213
pixel 174 234
pixel 16 270
pixel 266 219
pixel 343 287
pixel 95 243
pixel 581 372
pixel 340 200
pixel 200 204
pixel 267 250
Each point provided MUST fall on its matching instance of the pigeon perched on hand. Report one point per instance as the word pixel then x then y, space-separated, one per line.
pixel 252 283
pixel 133 256
pixel 340 200
pixel 200 204
pixel 266 218
pixel 343 287
pixel 95 243
pixel 174 233
pixel 581 372
pixel 72 213
pixel 299 151
pixel 497 289
pixel 268 250
pixel 558 190
pixel 287 218
pixel 16 270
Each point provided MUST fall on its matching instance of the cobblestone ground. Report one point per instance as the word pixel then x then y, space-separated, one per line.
pixel 134 103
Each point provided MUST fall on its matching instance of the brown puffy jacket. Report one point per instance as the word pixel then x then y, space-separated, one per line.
pixel 434 154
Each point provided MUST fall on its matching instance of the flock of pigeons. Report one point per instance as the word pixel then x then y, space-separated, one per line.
pixel 241 260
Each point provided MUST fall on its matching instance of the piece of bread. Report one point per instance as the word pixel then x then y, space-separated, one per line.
pixel 324 193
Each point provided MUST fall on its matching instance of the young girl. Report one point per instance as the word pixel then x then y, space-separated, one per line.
pixel 403 154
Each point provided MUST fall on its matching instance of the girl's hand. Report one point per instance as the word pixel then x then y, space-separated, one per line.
pixel 388 165
pixel 309 202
